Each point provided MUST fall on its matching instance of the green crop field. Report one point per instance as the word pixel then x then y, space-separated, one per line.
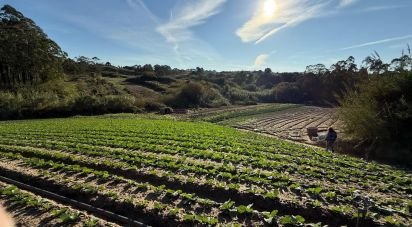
pixel 167 172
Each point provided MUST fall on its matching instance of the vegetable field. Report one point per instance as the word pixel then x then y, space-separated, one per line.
pixel 235 114
pixel 136 171
pixel 293 122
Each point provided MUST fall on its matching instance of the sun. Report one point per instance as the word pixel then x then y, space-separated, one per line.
pixel 269 8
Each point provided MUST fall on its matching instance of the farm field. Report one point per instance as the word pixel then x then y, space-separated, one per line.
pixel 292 123
pixel 165 172
pixel 235 114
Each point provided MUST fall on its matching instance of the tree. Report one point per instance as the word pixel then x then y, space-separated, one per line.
pixel 87 65
pixel 287 92
pixel 267 79
pixel 199 70
pixel 162 70
pixel 318 69
pixel 27 55
pixel 375 64
pixel 189 95
pixel 345 66
pixel 148 68
pixel 379 115
pixel 95 60
pixel 403 63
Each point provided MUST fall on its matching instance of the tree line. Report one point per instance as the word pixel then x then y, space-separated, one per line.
pixel 27 55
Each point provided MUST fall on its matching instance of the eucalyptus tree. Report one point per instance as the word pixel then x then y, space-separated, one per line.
pixel 375 64
pixel 318 69
pixel 27 55
pixel 403 63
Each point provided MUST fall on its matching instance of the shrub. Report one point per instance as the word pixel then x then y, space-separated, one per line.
pixel 90 105
pixel 287 92
pixel 48 99
pixel 10 105
pixel 154 106
pixel 189 95
pixel 194 95
pixel 379 114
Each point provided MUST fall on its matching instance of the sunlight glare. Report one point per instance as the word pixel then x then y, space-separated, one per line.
pixel 269 8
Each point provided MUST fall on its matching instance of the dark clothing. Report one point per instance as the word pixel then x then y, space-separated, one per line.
pixel 331 136
pixel 330 139
pixel 329 146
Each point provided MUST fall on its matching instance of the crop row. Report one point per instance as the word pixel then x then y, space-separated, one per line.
pixel 58 214
pixel 269 150
pixel 216 164
pixel 81 188
pixel 313 191
pixel 274 163
pixel 137 158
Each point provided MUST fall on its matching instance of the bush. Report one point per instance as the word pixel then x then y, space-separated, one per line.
pixel 48 99
pixel 287 92
pixel 213 98
pixel 59 99
pixel 153 106
pixel 90 105
pixel 379 114
pixel 194 95
pixel 189 96
pixel 10 105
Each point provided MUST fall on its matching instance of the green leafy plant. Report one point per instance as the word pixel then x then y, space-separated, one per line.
pixel 270 216
pixel 227 205
pixel 315 190
pixel 292 220
pixel 274 194
pixel 92 222
pixel 242 209
pixel 69 217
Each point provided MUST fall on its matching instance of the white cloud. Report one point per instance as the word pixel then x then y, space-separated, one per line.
pixel 383 7
pixel 138 5
pixel 177 30
pixel 261 60
pixel 399 38
pixel 288 13
pixel 345 3
pixel 188 16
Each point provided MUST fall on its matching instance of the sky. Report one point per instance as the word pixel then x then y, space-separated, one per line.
pixel 224 35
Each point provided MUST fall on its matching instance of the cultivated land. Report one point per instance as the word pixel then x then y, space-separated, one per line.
pixel 293 123
pixel 164 172
pixel 285 121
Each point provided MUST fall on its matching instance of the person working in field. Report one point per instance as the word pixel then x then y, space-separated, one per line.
pixel 330 139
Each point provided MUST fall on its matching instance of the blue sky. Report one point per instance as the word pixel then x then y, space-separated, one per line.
pixel 285 35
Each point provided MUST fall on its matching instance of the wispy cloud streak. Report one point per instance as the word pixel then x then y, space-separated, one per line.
pixel 138 5
pixel 188 16
pixel 378 42
pixel 261 60
pixel 289 13
pixel 345 3
pixel 177 30
pixel 383 7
